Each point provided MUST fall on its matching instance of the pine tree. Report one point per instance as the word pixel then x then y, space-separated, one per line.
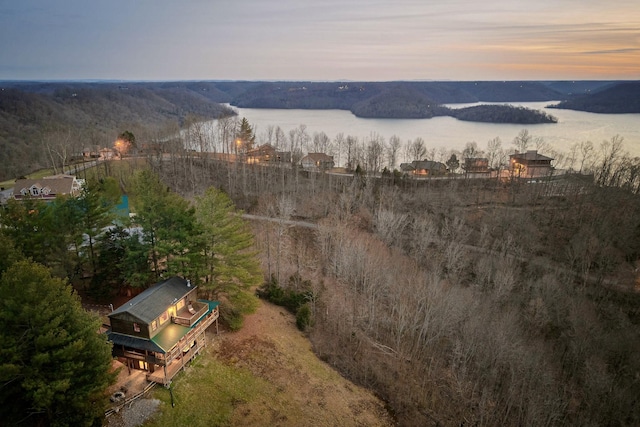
pixel 169 227
pixel 231 267
pixel 54 365
pixel 245 136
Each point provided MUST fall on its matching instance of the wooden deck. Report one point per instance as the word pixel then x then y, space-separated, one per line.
pixel 176 366
pixel 177 358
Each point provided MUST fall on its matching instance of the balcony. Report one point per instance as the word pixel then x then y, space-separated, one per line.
pixel 189 315
pixel 190 344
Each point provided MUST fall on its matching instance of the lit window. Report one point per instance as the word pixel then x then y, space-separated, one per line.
pixel 154 325
pixel 164 317
pixel 136 327
pixel 180 304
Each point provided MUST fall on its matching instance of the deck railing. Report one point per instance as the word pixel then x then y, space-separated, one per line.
pixel 186 318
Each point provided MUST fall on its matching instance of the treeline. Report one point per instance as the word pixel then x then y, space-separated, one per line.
pixel 502 114
pixel 618 99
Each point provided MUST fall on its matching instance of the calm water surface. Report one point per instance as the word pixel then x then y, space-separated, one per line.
pixel 572 127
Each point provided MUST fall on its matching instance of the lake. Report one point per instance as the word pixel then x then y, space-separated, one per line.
pixel 572 127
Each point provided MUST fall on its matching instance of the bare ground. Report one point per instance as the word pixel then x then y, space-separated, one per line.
pixel 271 347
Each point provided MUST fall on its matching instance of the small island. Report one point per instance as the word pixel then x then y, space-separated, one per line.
pixel 503 114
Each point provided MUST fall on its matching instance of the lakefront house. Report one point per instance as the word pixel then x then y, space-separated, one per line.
pixel 162 329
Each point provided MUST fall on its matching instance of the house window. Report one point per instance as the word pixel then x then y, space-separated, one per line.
pixel 136 327
pixel 34 191
pixel 164 317
pixel 154 325
pixel 180 304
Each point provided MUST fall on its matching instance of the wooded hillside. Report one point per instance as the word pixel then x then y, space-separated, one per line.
pixel 36 119
pixel 618 99
pixel 491 302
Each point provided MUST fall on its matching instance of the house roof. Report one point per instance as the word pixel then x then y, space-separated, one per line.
pixel 531 155
pixel 261 149
pixel 152 302
pixel 169 336
pixel 318 157
pixel 172 333
pixel 57 184
pixel 429 165
pixel 134 342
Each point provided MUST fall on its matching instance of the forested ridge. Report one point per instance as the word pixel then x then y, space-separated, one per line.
pixel 39 121
pixel 619 99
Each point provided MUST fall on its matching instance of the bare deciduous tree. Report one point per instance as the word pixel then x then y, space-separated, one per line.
pixel 417 149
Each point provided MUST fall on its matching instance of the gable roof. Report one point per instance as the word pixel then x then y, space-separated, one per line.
pixel 531 155
pixel 428 165
pixel 422 164
pixel 152 302
pixel 56 184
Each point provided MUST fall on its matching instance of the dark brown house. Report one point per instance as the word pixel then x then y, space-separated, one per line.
pixel 476 166
pixel 530 164
pixel 161 329
pixel 266 153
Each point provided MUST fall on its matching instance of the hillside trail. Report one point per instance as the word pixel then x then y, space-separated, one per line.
pixel 309 391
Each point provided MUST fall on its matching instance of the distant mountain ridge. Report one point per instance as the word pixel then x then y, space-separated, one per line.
pixel 616 99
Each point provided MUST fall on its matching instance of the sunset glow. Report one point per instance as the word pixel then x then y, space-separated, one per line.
pixel 332 40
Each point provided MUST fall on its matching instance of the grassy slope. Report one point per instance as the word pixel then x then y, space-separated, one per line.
pixel 266 374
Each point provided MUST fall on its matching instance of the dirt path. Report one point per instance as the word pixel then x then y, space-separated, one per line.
pixel 309 391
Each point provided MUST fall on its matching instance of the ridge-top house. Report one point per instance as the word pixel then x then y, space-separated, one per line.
pixel 476 167
pixel 424 168
pixel 530 164
pixel 317 162
pixel 161 329
pixel 47 188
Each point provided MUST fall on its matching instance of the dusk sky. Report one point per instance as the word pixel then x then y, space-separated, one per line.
pixel 367 40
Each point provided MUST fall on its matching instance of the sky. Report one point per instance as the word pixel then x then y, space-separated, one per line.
pixel 323 40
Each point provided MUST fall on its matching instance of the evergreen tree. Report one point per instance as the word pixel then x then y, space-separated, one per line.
pixel 168 226
pixel 230 266
pixel 95 212
pixel 9 254
pixel 54 365
pixel 453 163
pixel 22 222
pixel 245 136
